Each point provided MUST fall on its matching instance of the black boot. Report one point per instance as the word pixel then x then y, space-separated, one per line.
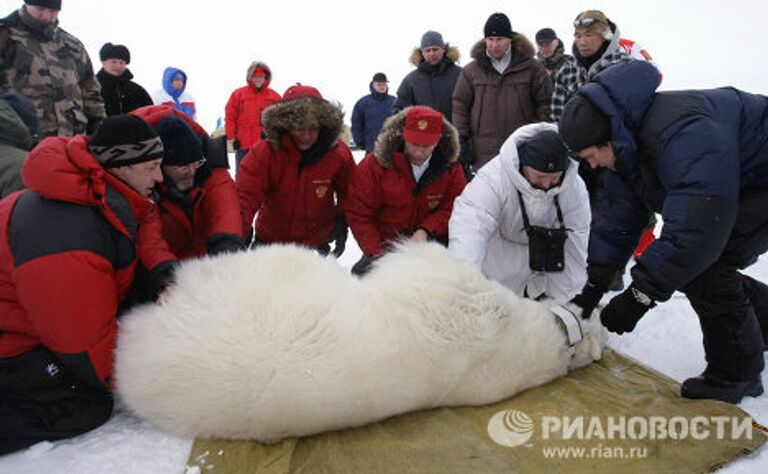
pixel 706 386
pixel 757 293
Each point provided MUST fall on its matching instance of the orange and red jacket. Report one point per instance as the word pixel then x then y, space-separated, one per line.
pixel 295 203
pixel 69 246
pixel 387 203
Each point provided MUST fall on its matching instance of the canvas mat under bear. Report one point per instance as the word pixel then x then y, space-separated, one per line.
pixel 457 439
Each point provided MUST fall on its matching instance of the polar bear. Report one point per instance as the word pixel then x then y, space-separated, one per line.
pixel 281 342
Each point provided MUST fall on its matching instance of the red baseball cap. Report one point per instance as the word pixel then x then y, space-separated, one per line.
pixel 423 126
pixel 298 90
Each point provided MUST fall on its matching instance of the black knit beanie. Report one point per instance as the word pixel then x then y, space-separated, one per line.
pixel 52 4
pixel 25 109
pixel 498 25
pixel 123 140
pixel 115 51
pixel 544 152
pixel 583 125
pixel 181 145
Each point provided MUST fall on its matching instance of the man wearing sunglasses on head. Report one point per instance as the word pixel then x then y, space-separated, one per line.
pixel 596 47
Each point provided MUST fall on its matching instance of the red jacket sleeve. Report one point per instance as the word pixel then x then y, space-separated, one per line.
pixel 231 113
pixel 436 223
pixel 71 299
pixel 364 200
pixel 252 183
pixel 344 177
pixel 151 248
pixel 221 210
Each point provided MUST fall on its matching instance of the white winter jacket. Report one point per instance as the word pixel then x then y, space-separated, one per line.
pixel 486 226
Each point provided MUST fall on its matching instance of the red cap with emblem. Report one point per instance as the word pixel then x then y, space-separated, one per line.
pixel 423 126
pixel 298 91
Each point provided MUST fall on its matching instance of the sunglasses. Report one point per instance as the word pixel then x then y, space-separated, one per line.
pixel 586 21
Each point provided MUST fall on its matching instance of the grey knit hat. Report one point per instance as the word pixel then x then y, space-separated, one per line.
pixel 432 38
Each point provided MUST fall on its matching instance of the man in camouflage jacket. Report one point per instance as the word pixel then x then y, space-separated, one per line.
pixel 51 68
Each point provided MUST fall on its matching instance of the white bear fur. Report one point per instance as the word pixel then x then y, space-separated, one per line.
pixel 281 342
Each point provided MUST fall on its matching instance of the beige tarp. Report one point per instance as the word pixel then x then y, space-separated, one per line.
pixel 575 425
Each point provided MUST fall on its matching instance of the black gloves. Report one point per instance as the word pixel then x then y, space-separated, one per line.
pixel 624 311
pixel 588 298
pixel 363 265
pixel 235 144
pixel 339 235
pixel 220 243
pixel 466 156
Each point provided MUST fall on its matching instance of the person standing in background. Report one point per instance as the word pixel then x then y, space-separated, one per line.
pixel 244 108
pixel 121 95
pixel 434 79
pixel 51 68
pixel 502 89
pixel 174 92
pixel 370 111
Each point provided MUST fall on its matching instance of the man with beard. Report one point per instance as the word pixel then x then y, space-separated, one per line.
pixel 121 95
pixel 198 205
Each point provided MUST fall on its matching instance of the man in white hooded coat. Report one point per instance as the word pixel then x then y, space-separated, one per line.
pixel 531 179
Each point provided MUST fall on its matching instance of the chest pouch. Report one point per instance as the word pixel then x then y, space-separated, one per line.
pixel 546 246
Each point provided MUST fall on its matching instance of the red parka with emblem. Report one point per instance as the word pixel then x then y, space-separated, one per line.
pixel 206 218
pixel 385 200
pixel 296 193
pixel 245 105
pixel 69 247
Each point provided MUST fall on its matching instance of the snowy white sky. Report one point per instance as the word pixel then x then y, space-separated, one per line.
pixel 338 46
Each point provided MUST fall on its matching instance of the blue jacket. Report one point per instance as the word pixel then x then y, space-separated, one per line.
pixel 368 117
pixel 688 155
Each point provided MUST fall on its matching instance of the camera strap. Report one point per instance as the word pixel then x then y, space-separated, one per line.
pixel 527 224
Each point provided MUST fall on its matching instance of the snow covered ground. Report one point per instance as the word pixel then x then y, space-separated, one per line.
pixel 668 339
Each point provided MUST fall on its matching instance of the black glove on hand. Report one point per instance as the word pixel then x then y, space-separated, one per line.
pixel 339 235
pixel 588 298
pixel 363 265
pixel 235 144
pixel 624 311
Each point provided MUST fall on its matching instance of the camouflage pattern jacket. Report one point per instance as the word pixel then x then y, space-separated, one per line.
pixel 51 68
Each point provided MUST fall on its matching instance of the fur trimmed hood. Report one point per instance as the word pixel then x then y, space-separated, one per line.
pixel 520 43
pixel 281 117
pixel 253 67
pixel 390 140
pixel 451 52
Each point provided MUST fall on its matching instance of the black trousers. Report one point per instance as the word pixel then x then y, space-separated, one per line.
pixel 731 306
pixel 39 401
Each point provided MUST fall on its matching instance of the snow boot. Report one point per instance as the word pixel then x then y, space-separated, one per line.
pixel 757 292
pixel 706 386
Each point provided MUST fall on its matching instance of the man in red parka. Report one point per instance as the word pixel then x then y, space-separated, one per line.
pixel 242 117
pixel 296 179
pixel 69 247
pixel 197 201
pixel 406 187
